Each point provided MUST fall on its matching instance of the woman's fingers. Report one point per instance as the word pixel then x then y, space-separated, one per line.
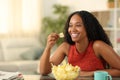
pixel 52 38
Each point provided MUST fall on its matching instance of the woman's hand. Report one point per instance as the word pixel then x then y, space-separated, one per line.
pixel 51 40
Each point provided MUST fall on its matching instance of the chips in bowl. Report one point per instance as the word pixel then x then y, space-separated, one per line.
pixel 65 71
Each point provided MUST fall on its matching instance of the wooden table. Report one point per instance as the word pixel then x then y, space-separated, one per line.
pixel 40 77
pixel 31 77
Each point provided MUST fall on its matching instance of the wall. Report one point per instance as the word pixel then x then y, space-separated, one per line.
pixel 90 5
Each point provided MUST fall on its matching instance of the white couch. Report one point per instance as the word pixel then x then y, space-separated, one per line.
pixel 20 54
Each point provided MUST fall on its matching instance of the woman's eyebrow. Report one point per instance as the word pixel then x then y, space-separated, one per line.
pixel 76 22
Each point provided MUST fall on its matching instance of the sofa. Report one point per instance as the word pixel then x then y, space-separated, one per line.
pixel 20 55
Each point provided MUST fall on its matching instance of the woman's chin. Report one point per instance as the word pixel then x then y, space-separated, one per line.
pixel 75 40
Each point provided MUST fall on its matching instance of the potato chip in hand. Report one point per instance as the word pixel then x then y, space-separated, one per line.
pixel 61 35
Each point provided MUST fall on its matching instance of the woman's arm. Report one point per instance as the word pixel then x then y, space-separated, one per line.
pixel 44 62
pixel 56 58
pixel 112 72
pixel 45 66
pixel 109 55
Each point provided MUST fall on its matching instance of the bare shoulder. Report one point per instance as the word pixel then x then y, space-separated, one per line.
pixel 105 51
pixel 65 47
pixel 100 44
pixel 60 53
pixel 65 44
pixel 100 47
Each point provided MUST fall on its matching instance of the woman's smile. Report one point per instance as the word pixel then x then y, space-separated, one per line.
pixel 74 35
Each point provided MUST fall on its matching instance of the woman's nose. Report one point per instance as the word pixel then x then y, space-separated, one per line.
pixel 73 28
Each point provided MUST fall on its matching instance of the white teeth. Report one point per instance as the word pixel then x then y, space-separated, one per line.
pixel 74 35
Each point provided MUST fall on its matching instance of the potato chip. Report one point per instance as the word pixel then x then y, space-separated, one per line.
pixel 65 71
pixel 61 35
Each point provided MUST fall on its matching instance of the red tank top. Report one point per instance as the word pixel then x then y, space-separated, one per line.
pixel 87 61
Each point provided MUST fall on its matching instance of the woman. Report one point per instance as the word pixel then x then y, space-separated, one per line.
pixel 86 45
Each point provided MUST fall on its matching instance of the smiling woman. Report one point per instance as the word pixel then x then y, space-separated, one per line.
pixel 20 17
pixel 85 45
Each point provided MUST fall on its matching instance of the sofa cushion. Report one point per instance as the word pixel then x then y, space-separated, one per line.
pixel 32 54
pixel 12 48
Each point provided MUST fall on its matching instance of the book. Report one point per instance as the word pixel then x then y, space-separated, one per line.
pixel 10 75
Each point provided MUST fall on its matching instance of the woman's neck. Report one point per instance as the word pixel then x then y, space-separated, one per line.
pixel 82 46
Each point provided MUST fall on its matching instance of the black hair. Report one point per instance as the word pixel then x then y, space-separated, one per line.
pixel 93 28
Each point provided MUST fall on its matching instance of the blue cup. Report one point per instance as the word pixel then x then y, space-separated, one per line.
pixel 102 75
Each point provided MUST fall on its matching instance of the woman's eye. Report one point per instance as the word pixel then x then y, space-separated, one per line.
pixel 78 25
pixel 70 25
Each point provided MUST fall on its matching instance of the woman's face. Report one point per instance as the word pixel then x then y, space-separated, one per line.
pixel 76 28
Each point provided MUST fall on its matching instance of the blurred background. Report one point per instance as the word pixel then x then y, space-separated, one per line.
pixel 25 24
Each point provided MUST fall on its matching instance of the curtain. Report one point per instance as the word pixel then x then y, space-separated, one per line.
pixel 20 18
